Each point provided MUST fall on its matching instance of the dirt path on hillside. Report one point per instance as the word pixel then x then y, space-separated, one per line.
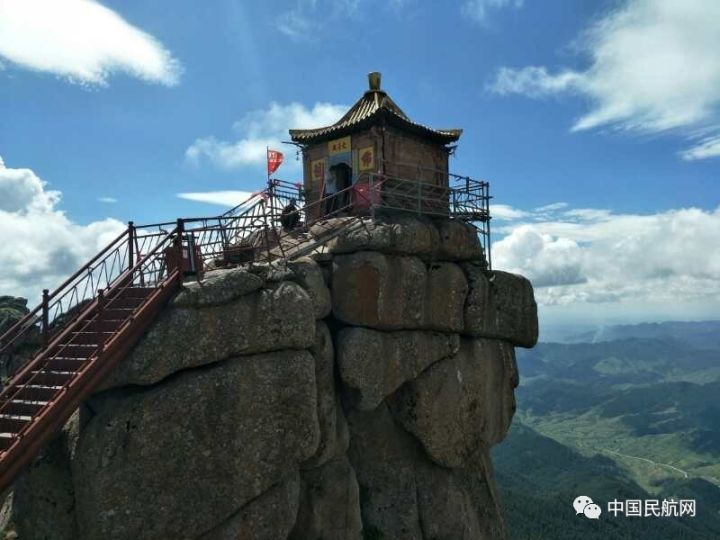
pixel 667 466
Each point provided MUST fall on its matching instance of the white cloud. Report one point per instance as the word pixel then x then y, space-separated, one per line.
pixel 706 148
pixel 108 200
pixel 41 246
pixel 260 129
pixel 504 212
pixel 477 10
pixel 552 207
pixel 579 257
pixel 309 17
pixel 654 67
pixel 533 81
pixel 82 41
pixel 221 198
pixel 542 258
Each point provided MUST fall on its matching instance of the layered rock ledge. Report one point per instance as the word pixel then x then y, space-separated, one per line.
pixel 351 395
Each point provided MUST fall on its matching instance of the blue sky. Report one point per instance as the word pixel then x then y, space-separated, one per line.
pixel 597 123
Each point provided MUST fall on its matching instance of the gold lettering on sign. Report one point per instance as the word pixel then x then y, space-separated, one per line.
pixel 339 146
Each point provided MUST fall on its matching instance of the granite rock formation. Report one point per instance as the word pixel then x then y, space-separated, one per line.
pixel 352 396
pixel 12 310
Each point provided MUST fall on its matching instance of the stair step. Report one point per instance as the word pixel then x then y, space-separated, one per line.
pixel 89 338
pixel 23 408
pixel 47 377
pixel 64 364
pixel 13 424
pixel 6 440
pixel 103 325
pixel 136 292
pixel 125 302
pixel 71 350
pixel 115 314
pixel 36 392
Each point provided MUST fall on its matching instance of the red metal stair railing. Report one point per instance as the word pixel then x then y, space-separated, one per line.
pixel 87 325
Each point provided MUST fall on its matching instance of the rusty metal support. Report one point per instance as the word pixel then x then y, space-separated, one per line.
pixel 45 317
pixel 131 244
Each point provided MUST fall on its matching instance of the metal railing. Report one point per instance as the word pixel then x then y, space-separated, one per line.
pixel 252 232
pixel 132 256
pixel 42 395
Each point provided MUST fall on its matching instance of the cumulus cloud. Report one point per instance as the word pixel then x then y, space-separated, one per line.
pixel 220 198
pixel 533 81
pixel 260 129
pixel 589 256
pixel 477 10
pixel 41 246
pixel 653 68
pixel 542 258
pixel 81 40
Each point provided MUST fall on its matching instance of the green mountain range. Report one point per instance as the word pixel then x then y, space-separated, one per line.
pixel 636 417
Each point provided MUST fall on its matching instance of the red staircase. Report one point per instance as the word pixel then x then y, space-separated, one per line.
pixel 81 330
pixel 86 326
pixel 94 319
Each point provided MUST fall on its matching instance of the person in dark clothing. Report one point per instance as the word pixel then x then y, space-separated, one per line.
pixel 289 217
pixel 337 183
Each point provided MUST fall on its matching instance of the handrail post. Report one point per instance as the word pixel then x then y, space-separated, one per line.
pixel 45 317
pixel 180 229
pixel 101 308
pixel 131 249
pixel 131 246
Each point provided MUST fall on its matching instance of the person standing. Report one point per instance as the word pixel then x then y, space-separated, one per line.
pixel 330 192
pixel 289 217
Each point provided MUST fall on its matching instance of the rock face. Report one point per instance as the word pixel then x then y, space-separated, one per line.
pixel 211 440
pixel 398 292
pixel 353 396
pixel 12 310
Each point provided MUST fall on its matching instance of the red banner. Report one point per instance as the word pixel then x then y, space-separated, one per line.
pixel 274 160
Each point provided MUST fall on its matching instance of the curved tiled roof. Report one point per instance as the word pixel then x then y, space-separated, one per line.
pixel 374 105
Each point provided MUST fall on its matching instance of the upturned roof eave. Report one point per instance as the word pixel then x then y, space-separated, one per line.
pixel 378 117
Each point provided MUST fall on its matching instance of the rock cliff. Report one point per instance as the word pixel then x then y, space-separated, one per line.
pixel 353 395
pixel 12 310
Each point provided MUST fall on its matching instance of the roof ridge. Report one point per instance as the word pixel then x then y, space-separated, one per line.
pixel 369 105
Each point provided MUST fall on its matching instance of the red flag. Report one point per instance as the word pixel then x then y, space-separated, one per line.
pixel 274 160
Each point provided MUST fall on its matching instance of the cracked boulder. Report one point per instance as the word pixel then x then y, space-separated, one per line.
pixel 331 420
pixel 309 276
pixel 374 364
pixel 405 496
pixel 269 516
pixel 176 459
pixel 280 316
pixel 462 403
pixel 330 503
pixel 500 305
pixel 389 292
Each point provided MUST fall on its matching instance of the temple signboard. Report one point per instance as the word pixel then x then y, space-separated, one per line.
pixel 339 146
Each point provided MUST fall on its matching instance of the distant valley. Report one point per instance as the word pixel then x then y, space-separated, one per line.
pixel 636 411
